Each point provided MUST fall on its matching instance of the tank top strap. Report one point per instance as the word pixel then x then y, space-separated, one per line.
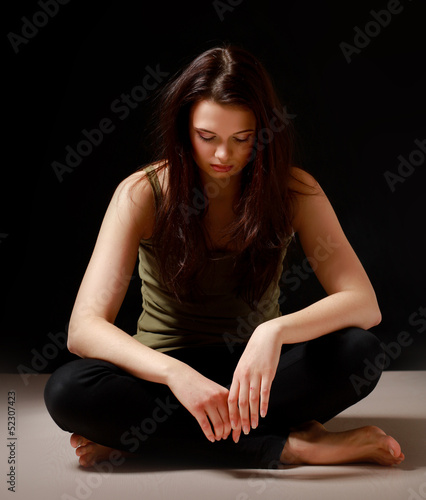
pixel 151 173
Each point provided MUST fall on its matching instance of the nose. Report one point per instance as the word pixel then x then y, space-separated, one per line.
pixel 223 153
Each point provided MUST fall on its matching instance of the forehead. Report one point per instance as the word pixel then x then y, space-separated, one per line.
pixel 219 118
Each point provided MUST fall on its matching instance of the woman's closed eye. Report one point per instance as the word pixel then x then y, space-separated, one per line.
pixel 209 139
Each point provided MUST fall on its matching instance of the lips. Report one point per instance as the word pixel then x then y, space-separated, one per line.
pixel 221 168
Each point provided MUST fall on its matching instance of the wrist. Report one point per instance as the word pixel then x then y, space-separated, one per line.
pixel 273 330
pixel 174 370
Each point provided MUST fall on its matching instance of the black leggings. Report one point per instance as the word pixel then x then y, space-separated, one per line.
pixel 315 380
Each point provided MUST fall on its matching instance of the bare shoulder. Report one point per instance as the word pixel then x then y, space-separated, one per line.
pixel 137 184
pixel 307 194
pixel 134 201
pixel 303 183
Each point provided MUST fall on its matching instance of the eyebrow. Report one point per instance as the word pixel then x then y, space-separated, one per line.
pixel 214 133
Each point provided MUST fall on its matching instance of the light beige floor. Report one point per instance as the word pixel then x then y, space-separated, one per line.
pixel 46 467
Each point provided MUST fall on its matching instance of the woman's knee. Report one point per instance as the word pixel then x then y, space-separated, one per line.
pixel 69 387
pixel 362 355
pixel 363 343
pixel 351 354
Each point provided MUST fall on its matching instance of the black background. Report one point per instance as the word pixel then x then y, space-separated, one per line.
pixel 353 121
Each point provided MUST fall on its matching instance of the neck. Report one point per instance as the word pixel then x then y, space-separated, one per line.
pixel 227 189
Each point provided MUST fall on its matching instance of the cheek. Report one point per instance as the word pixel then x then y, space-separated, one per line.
pixel 246 150
pixel 202 150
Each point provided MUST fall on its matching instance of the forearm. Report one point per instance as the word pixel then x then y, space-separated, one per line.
pixel 334 312
pixel 97 338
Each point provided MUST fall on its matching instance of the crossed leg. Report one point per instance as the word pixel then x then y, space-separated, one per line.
pixel 312 384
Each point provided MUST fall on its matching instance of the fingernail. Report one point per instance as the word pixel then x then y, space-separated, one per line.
pixel 233 424
pixel 254 424
pixel 236 439
pixel 212 440
pixel 263 413
pixel 246 430
pixel 392 452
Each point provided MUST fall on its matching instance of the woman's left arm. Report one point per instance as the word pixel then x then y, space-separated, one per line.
pixel 350 301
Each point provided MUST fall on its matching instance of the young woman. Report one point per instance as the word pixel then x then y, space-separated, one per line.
pixel 215 374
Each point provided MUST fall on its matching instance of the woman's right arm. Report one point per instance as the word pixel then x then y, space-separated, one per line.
pixel 92 333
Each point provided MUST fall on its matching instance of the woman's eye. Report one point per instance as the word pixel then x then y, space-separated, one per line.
pixel 207 139
pixel 242 140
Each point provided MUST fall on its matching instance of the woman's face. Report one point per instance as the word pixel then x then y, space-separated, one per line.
pixel 222 138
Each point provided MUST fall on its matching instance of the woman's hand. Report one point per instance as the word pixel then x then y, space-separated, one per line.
pixel 206 400
pixel 253 376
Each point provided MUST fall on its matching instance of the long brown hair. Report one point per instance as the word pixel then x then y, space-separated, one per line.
pixel 227 75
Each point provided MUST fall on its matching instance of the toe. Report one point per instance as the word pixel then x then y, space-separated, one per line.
pixel 393 447
pixel 86 460
pixel 76 440
pixel 86 455
pixel 80 451
pixel 85 449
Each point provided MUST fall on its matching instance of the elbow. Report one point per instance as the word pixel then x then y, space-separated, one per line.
pixel 373 315
pixel 73 344
pixel 81 338
pixel 376 318
pixel 71 347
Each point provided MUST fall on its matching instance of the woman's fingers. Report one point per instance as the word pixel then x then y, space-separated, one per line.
pixel 265 391
pixel 254 399
pixel 244 405
pixel 234 413
pixel 236 433
pixel 226 422
pixel 206 427
pixel 214 422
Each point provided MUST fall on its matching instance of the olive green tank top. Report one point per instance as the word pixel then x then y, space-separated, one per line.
pixel 218 317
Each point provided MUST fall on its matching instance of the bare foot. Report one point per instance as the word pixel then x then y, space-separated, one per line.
pixel 313 444
pixel 91 453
